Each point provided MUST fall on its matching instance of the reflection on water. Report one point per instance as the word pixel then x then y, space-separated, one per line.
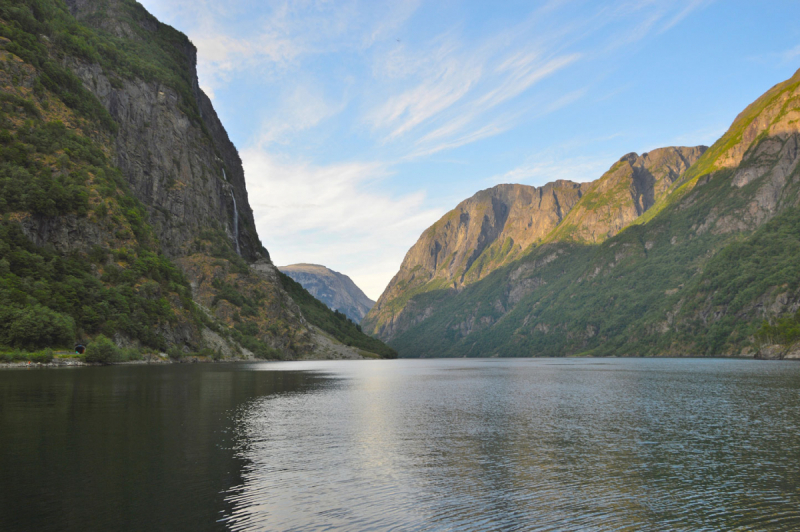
pixel 536 444
pixel 525 445
pixel 124 448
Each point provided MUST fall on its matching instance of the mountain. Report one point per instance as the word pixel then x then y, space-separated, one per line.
pixel 500 224
pixel 334 289
pixel 123 201
pixel 706 264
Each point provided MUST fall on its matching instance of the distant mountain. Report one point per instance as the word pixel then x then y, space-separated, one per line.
pixel 334 289
pixel 681 251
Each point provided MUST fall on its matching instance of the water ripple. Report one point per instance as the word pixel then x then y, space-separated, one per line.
pixel 526 445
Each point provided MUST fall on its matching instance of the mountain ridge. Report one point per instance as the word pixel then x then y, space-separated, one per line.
pixel 516 222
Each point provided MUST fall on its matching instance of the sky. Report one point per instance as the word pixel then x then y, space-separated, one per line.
pixel 361 122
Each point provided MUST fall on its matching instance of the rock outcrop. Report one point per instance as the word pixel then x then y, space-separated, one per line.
pixel 184 168
pixel 481 234
pixel 625 192
pixel 335 289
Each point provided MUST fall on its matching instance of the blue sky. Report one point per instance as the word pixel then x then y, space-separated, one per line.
pixel 361 122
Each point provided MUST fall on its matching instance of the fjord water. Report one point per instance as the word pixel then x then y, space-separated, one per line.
pixel 486 444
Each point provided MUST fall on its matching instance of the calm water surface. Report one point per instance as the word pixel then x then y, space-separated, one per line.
pixel 533 444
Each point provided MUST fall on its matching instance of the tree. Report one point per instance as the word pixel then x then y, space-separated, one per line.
pixel 38 326
pixel 102 351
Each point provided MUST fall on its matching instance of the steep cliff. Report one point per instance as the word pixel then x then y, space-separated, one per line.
pixel 334 289
pixel 711 268
pixel 170 145
pixel 143 196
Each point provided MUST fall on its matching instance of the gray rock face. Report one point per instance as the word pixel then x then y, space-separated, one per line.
pixel 468 243
pixel 793 353
pixel 336 290
pixel 771 352
pixel 187 174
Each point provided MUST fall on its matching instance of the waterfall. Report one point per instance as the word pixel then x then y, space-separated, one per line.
pixel 235 224
pixel 235 219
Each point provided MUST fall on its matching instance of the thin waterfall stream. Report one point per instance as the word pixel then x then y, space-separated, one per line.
pixel 235 219
pixel 235 224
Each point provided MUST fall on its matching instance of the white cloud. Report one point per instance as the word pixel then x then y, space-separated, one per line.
pixel 791 55
pixel 334 215
pixel 524 76
pixel 685 12
pixel 302 107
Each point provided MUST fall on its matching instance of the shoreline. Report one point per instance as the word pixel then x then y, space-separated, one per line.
pixel 147 361
pixel 157 360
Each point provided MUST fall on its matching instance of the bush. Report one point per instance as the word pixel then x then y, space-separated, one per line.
pixel 42 357
pixel 131 353
pixel 175 353
pixel 36 327
pixel 102 351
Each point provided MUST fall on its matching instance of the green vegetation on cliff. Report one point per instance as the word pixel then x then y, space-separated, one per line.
pixel 50 297
pixel 43 31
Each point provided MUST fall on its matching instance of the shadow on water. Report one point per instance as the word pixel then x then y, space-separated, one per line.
pixel 125 447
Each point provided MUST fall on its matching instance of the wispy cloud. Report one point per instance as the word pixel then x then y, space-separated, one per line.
pixel 783 57
pixel 302 106
pixel 791 55
pixel 685 12
pixel 465 92
pixel 545 167
pixel 411 108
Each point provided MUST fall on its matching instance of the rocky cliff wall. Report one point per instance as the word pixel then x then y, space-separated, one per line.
pixel 183 167
pixel 469 242
pixel 625 192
